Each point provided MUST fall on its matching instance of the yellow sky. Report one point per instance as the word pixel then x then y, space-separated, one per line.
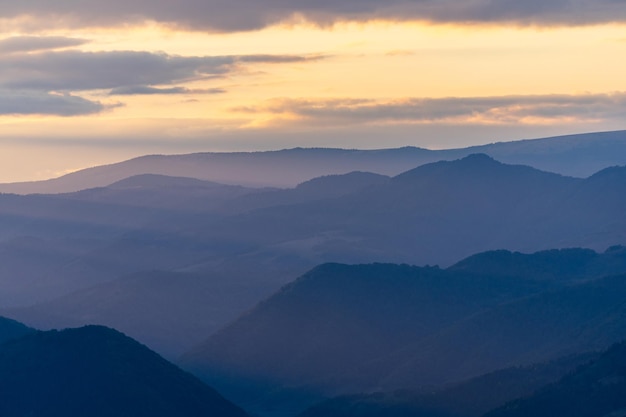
pixel 381 62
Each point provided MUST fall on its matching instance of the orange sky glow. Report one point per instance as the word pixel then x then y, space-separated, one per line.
pixel 77 96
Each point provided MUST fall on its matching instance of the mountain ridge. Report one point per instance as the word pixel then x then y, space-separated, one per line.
pixel 574 155
pixel 382 327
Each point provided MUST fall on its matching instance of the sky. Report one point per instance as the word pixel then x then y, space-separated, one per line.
pixel 87 82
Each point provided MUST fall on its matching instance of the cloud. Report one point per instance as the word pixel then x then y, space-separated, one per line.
pixel 480 110
pixel 37 43
pixel 237 15
pixel 147 90
pixel 41 83
pixel 80 71
pixel 38 103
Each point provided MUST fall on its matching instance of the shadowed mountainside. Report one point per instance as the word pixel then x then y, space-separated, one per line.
pixel 11 329
pixel 96 371
pixel 341 329
pixel 596 389
pixel 165 193
pixel 471 398
pixel 434 214
pixel 168 311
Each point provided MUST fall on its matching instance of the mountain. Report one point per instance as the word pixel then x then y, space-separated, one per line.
pixel 249 245
pixel 471 398
pixel 11 329
pixel 83 261
pixel 96 371
pixel 316 189
pixel 427 215
pixel 570 265
pixel 365 328
pixel 596 389
pixel 98 235
pixel 439 213
pixel 163 192
pixel 367 310
pixel 575 155
pixel 166 310
pixel 579 155
pixel 581 317
pixel 284 168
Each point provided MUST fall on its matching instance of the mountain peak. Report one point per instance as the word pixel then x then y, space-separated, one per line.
pixel 157 180
pixel 479 161
pixel 477 165
pixel 614 173
pixel 478 158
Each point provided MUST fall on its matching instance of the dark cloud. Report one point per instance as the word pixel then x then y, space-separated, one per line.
pixel 147 90
pixel 76 71
pixel 40 83
pixel 37 43
pixel 506 109
pixel 232 15
pixel 37 103
pixel 278 59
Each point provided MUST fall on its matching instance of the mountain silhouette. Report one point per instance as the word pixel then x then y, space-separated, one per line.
pixel 471 398
pixel 96 371
pixel 596 389
pixel 575 155
pixel 363 328
pixel 11 329
pixel 250 243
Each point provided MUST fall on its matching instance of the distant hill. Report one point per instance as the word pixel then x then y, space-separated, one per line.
pixel 570 265
pixel 471 398
pixel 596 389
pixel 166 310
pixel 283 168
pixel 439 213
pixel 11 329
pixel 355 312
pixel 96 371
pixel 576 318
pixel 316 189
pixel 163 192
pixel 579 155
pixel 341 329
pixel 575 155
pixel 248 243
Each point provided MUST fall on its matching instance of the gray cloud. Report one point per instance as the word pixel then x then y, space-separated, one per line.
pixel 38 103
pixel 30 83
pixel 232 15
pixel 37 43
pixel 76 71
pixel 147 90
pixel 505 109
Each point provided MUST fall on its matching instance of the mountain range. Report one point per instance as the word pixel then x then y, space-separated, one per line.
pixel 285 297
pixel 364 328
pixel 470 398
pixel 595 389
pixel 575 155
pixel 584 385
pixel 234 246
